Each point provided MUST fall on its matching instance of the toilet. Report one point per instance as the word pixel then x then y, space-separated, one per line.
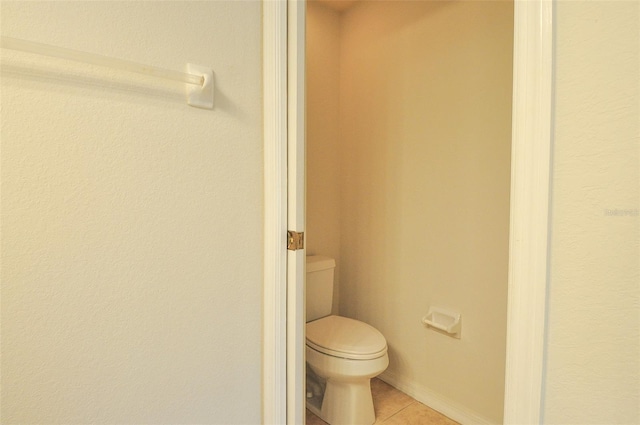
pixel 342 354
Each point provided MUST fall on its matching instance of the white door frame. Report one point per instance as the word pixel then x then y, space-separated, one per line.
pixel 296 214
pixel 529 225
pixel 274 355
pixel 284 164
pixel 529 229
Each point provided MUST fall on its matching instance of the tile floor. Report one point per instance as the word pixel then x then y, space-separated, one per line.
pixel 394 407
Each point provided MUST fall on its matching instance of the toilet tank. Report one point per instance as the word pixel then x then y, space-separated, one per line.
pixel 319 286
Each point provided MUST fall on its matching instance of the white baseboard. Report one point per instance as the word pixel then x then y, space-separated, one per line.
pixel 434 400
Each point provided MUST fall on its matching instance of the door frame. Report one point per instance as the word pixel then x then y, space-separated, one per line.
pixel 529 219
pixel 274 334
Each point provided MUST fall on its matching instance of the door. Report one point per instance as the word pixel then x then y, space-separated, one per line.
pixel 296 11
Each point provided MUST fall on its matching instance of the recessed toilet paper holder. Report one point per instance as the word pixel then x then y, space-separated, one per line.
pixel 443 320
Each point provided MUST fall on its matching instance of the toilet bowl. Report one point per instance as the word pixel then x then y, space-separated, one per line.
pixel 345 354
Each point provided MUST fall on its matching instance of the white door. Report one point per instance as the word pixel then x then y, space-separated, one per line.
pixel 296 210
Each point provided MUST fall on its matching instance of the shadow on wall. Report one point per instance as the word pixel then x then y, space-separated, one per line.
pixel 395 19
pixel 96 85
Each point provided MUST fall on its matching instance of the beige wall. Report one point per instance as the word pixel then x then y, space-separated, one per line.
pixel 323 143
pixel 593 347
pixel 424 155
pixel 129 291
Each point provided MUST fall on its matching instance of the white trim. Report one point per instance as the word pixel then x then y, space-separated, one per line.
pixel 274 375
pixel 528 244
pixel 436 401
pixel 296 372
pixel 296 52
pixel 296 11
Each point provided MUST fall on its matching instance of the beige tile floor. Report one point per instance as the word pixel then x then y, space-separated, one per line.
pixel 394 407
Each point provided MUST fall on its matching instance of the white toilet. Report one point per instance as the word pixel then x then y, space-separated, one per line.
pixel 342 354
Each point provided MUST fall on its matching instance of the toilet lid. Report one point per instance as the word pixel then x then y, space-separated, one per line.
pixel 347 338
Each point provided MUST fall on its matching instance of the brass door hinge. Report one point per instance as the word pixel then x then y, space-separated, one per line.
pixel 295 240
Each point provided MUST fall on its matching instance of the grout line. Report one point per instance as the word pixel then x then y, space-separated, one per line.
pixel 394 414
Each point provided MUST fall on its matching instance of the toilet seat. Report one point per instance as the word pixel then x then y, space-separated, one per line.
pixel 347 338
